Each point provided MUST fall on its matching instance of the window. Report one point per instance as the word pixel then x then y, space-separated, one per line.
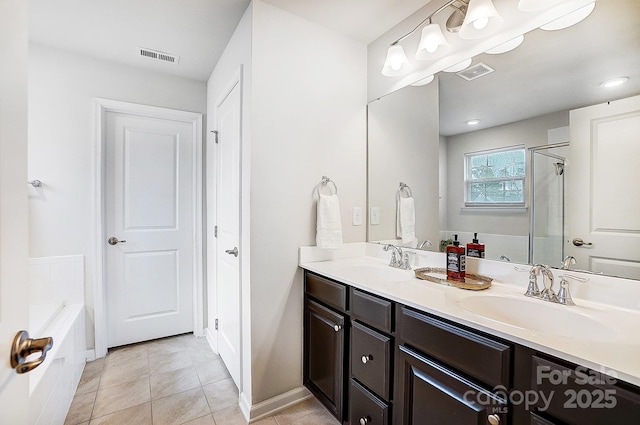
pixel 495 178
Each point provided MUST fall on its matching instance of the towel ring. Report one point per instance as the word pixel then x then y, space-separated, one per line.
pixel 325 181
pixel 405 188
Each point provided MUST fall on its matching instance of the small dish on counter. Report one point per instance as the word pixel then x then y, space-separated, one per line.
pixel 473 282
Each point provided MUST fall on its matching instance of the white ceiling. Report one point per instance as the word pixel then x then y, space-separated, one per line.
pixel 551 71
pixel 195 30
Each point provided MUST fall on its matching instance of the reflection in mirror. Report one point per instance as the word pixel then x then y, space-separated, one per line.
pixel 526 101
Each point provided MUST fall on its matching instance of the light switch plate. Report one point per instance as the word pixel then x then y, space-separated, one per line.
pixel 357 216
pixel 374 216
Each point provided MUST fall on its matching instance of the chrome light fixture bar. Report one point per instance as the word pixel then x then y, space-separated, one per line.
pixel 470 19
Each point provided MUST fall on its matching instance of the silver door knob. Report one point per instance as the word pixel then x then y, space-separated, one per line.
pixel 366 358
pixel 337 328
pixel 114 241
pixel 233 251
pixel 580 242
pixel 364 420
pixel 494 419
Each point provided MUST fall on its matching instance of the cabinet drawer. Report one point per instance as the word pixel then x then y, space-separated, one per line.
pixel 370 309
pixel 478 356
pixel 331 293
pixel 428 392
pixel 581 396
pixel 371 359
pixel 366 408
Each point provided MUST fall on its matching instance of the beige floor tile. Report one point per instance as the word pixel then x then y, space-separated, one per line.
pixel 122 373
pixel 221 394
pixel 161 362
pixel 212 371
pixel 176 381
pixel 81 408
pixel 167 345
pixel 118 397
pixel 314 418
pixel 202 355
pixel 266 421
pixel 297 411
pixel 90 379
pixel 229 416
pixel 136 415
pixel 180 408
pixel 205 420
pixel 127 354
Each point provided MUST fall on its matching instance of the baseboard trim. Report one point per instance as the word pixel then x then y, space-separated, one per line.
pixel 274 404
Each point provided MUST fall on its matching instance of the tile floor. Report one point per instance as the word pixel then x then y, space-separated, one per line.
pixel 170 381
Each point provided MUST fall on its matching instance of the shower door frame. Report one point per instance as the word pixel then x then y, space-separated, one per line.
pixel 532 211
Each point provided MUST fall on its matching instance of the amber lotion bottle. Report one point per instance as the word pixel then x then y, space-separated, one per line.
pixel 474 248
pixel 456 260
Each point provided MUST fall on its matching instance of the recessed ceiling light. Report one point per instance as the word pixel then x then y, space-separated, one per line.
pixel 423 82
pixel 570 19
pixel 473 122
pixel 459 66
pixel 614 82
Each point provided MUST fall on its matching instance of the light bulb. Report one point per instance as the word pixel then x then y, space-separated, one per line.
pixel 396 64
pixel 430 46
pixel 480 23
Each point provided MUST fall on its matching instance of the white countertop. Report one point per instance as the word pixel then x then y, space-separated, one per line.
pixel 603 337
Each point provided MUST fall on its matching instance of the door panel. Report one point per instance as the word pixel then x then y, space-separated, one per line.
pixel 149 209
pixel 603 202
pixel 228 222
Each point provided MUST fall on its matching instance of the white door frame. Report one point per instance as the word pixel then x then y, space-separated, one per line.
pixel 102 107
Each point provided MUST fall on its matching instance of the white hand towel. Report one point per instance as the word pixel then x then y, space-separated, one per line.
pixel 329 227
pixel 406 220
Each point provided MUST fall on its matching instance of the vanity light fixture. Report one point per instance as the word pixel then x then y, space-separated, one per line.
pixel 470 19
pixel 614 82
pixel 570 19
pixel 424 81
pixel 396 63
pixel 474 121
pixel 482 19
pixel 506 47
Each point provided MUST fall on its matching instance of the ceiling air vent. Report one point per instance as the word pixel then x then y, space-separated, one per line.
pixel 475 71
pixel 159 56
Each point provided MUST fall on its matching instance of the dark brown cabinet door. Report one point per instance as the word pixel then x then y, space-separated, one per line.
pixel 428 393
pixel 324 355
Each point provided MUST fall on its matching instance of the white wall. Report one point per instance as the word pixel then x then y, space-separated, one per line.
pixel 309 99
pixel 403 147
pixel 237 56
pixel 531 132
pixel 62 88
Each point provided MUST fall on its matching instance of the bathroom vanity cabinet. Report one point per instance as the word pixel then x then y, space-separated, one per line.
pixel 374 361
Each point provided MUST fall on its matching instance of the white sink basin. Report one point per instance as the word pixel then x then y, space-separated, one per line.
pixel 542 317
pixel 368 270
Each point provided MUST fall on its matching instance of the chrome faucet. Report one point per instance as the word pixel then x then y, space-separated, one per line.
pixel 568 261
pixel 400 261
pixel 547 294
pixel 427 243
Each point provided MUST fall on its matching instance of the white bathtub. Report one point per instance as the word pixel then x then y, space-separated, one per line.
pixel 52 385
pixel 56 286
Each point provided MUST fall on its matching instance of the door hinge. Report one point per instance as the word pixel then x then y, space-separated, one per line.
pixel 216 324
pixel 215 136
pixel 215 231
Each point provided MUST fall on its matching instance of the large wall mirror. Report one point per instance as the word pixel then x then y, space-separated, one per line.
pixel 531 100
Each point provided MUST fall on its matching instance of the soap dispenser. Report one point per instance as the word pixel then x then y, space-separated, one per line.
pixel 475 249
pixel 456 261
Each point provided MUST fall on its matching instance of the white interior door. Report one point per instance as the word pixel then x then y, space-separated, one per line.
pixel 228 250
pixel 149 210
pixel 604 201
pixel 14 291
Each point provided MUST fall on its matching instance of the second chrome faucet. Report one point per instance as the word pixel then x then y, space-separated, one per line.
pixel 400 261
pixel 548 294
